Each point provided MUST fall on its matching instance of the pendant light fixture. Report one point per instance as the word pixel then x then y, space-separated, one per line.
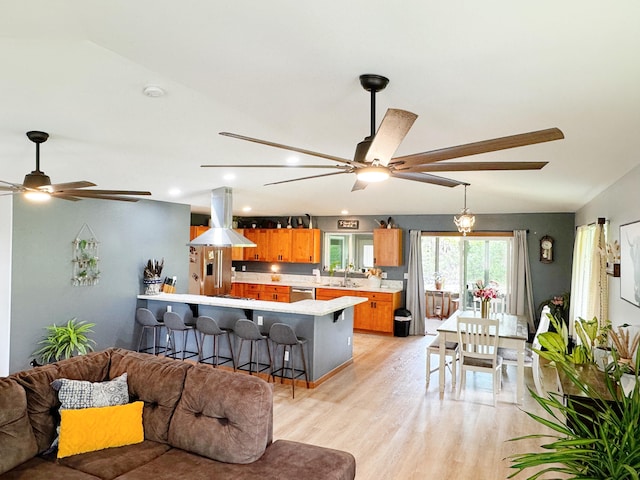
pixel 465 220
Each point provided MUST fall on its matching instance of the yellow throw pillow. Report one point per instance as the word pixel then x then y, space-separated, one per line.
pixel 89 429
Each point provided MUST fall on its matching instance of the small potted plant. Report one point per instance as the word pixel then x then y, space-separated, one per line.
pixel 438 280
pixel 65 341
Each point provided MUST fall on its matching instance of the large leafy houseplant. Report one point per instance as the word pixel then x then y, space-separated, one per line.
pixel 596 439
pixel 65 341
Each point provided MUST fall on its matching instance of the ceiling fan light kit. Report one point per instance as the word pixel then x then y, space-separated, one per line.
pixel 374 156
pixel 372 174
pixel 466 220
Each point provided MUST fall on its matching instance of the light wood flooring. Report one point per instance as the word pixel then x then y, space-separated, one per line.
pixel 379 410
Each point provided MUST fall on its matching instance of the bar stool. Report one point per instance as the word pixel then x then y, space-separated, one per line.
pixel 148 321
pixel 174 323
pixel 283 335
pixel 246 330
pixel 208 326
pixel 451 350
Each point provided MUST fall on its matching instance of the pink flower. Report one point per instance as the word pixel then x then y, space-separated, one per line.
pixel 484 293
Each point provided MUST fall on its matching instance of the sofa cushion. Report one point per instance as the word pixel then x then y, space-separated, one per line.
pixel 155 380
pixel 283 460
pixel 222 415
pixel 42 399
pixel 101 463
pixel 17 441
pixel 39 469
pixel 90 429
pixel 83 394
pixel 42 402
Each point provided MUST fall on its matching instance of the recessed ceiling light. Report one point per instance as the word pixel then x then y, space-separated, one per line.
pixel 345 212
pixel 153 91
pixel 174 192
pixel 229 176
pixel 246 209
pixel 293 160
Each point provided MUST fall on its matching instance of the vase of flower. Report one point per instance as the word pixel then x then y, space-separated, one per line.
pixel 485 305
pixel 485 294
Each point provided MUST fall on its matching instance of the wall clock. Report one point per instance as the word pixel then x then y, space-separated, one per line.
pixel 546 249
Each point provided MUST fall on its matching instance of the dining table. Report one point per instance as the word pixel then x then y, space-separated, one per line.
pixel 512 334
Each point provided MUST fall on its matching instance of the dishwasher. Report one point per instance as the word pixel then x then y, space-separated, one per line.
pixel 302 293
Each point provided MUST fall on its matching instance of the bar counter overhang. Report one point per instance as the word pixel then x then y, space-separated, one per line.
pixel 326 324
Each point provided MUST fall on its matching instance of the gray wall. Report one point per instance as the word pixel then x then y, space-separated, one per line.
pixel 548 279
pixel 619 204
pixel 129 234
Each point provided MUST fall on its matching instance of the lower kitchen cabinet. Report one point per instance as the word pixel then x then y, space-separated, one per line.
pixel 375 315
pixel 257 291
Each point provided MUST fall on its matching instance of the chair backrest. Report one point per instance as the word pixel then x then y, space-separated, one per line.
pixel 536 371
pixel 146 318
pixel 282 334
pixel 208 326
pixel 247 330
pixel 173 321
pixel 478 338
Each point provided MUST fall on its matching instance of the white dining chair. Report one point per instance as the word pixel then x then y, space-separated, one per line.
pixel 451 358
pixel 478 348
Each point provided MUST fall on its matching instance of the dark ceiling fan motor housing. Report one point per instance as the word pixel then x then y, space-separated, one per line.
pixel 371 83
pixel 37 179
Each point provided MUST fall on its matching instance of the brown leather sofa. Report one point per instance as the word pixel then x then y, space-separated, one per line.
pixel 199 423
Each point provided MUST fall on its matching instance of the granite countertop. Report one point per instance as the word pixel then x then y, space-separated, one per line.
pixel 304 307
pixel 295 281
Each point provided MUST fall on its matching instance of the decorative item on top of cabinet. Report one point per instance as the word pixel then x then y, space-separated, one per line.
pixel 387 247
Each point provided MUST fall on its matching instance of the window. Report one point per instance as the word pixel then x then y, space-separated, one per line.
pixel 342 249
pixel 461 261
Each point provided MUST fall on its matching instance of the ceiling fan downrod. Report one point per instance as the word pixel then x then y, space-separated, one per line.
pixel 373 83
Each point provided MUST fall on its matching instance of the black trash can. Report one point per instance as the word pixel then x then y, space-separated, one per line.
pixel 401 322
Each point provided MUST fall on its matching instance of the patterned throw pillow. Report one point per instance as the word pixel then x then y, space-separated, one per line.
pixel 74 394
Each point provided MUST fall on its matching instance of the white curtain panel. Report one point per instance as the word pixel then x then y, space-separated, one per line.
pixel 584 303
pixel 521 298
pixel 416 302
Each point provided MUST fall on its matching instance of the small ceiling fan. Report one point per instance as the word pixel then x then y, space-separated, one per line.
pixel 37 185
pixel 373 160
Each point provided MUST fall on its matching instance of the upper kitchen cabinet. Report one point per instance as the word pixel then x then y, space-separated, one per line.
pixel 279 245
pixel 387 247
pixel 237 253
pixel 196 231
pixel 305 245
pixel 297 245
pixel 259 236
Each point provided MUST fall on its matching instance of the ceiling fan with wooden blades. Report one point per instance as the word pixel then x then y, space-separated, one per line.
pixel 373 159
pixel 37 185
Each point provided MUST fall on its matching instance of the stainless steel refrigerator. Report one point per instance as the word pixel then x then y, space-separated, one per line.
pixel 209 270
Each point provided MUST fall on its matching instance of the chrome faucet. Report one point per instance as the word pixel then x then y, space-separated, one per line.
pixel 346 275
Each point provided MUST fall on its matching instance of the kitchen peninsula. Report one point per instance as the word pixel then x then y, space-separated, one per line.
pixel 326 324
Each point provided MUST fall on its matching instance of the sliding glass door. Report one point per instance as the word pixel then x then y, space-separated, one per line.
pixel 462 261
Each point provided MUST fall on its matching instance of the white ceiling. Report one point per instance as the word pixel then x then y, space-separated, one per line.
pixel 287 71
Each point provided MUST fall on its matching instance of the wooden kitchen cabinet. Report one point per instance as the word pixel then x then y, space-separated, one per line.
pixel 279 244
pixel 196 231
pixel 305 245
pixel 259 236
pixel 276 293
pixel 237 253
pixel 374 315
pixel 237 289
pixel 283 245
pixel 387 247
pixel 270 293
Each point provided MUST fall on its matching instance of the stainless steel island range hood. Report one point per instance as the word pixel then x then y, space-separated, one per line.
pixel 221 233
pixel 210 253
